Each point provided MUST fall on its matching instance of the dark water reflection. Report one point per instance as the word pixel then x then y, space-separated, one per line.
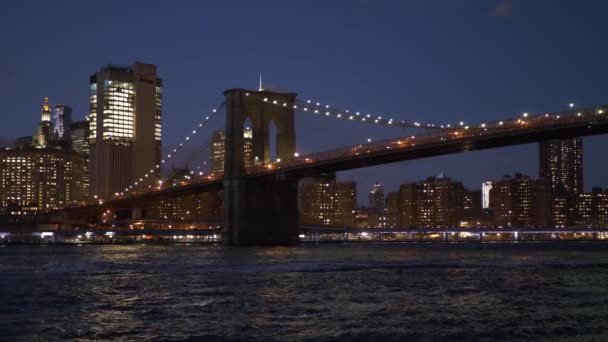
pixel 340 292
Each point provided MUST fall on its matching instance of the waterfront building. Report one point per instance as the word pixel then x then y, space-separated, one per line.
pixel 591 209
pixel 218 149
pixel 35 179
pixel 376 202
pixel 325 201
pixel 62 118
pixel 125 119
pixel 561 164
pixel 436 202
pixel 521 201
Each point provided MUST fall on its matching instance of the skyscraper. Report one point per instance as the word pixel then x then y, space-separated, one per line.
pixel 376 199
pixel 62 117
pixel 218 149
pixel 561 164
pixel 44 133
pixel 125 134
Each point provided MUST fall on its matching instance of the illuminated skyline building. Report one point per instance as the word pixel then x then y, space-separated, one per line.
pixel 376 202
pixel 125 121
pixel 218 149
pixel 521 201
pixel 62 118
pixel 561 164
pixel 437 202
pixel 325 201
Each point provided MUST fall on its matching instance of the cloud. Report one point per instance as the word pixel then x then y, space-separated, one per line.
pixel 502 9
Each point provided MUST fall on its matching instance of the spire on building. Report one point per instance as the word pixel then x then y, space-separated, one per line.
pixel 46 110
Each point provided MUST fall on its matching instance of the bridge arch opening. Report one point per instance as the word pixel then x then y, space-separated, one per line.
pixel 248 151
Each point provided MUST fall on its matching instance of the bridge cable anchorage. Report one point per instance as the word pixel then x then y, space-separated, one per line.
pixel 326 111
pixel 173 152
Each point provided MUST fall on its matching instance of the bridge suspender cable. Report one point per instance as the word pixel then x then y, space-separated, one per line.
pixel 173 151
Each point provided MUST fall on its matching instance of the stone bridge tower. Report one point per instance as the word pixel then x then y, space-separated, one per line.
pixel 263 211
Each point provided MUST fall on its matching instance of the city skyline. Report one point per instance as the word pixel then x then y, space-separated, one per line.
pixel 424 85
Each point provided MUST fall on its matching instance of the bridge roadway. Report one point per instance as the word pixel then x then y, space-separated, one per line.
pixel 525 130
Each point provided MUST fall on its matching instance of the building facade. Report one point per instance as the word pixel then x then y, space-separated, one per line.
pixel 324 201
pixel 62 118
pixel 561 164
pixel 125 128
pixel 77 135
pixel 591 209
pixel 35 180
pixel 521 201
pixel 376 202
pixel 437 202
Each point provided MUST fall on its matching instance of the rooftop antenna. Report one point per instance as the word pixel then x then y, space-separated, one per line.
pixel 260 88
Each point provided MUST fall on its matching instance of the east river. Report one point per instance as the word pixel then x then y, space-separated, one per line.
pixel 400 291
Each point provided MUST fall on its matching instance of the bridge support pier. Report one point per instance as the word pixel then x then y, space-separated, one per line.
pixel 263 211
pixel 260 212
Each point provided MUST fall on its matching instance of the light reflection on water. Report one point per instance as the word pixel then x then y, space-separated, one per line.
pixel 392 291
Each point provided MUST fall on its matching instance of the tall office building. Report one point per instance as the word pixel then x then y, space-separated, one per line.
pixel 77 135
pixel 435 202
pixel 44 133
pixel 376 199
pixel 125 118
pixel 218 149
pixel 521 201
pixel 561 164
pixel 324 201
pixel 62 117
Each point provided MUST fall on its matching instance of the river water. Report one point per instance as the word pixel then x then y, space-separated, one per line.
pixel 532 291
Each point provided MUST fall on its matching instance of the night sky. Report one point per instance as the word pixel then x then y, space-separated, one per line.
pixel 437 61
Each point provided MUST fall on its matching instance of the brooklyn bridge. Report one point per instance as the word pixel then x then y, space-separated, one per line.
pixel 260 200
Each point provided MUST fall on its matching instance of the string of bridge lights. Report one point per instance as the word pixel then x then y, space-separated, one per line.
pixel 325 110
pixel 173 152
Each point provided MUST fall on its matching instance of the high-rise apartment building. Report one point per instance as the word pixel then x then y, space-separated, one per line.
pixel 435 202
pixel 62 118
pixel 376 199
pixel 218 149
pixel 521 201
pixel 125 118
pixel 561 164
pixel 324 201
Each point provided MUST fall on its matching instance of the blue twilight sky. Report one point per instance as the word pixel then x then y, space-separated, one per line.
pixel 438 61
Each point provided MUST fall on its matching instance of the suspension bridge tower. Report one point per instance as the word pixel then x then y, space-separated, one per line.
pixel 263 211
